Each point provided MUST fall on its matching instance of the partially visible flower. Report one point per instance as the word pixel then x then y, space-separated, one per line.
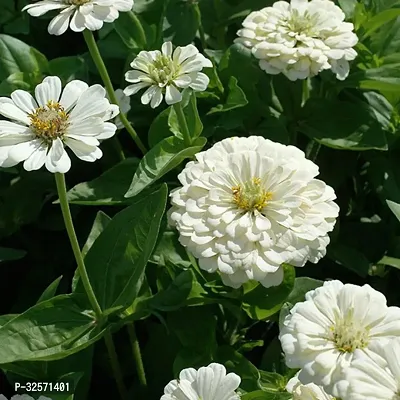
pixel 248 205
pixel 40 128
pixel 376 378
pixel 166 73
pixel 124 103
pixel 306 392
pixel 321 334
pixel 207 383
pixel 79 14
pixel 23 397
pixel 300 38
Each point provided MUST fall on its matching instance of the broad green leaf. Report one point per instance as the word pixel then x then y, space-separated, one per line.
pixel 260 302
pixel 192 118
pixel 17 56
pixel 176 294
pixel 129 28
pixel 235 98
pixel 50 330
pixel 301 286
pixel 117 259
pixel 20 80
pixel 162 158
pixel 377 21
pixel 236 362
pixel 391 261
pixel 272 382
pixel 261 395
pixel 108 189
pixel 348 7
pixel 11 254
pixel 181 22
pixel 350 258
pixel 395 208
pixel 99 224
pixel 50 291
pixel 69 68
pixel 159 128
pixel 342 125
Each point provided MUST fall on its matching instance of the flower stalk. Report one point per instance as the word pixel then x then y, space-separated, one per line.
pixel 98 60
pixel 183 124
pixel 137 356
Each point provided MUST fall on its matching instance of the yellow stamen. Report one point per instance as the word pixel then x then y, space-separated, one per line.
pixel 251 195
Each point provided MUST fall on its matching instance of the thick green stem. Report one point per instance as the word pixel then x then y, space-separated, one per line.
pixel 183 124
pixel 62 195
pixel 137 356
pixel 115 366
pixel 97 59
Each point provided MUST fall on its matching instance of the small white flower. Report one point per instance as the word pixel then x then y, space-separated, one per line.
pixel 321 334
pixel 124 103
pixel 207 383
pixel 306 392
pixel 165 73
pixel 376 378
pixel 248 205
pixel 300 38
pixel 40 128
pixel 79 14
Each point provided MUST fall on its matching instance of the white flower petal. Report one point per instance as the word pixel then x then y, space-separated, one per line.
pixel 57 159
pixel 36 159
pixel 9 110
pixel 59 24
pixel 172 95
pixel 48 90
pixel 71 93
pixel 24 101
pixel 84 151
pixel 42 7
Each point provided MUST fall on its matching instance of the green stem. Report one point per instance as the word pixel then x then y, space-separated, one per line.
pixel 137 356
pixel 97 59
pixel 115 366
pixel 140 29
pixel 62 194
pixel 118 148
pixel 183 124
pixel 201 28
pixel 312 150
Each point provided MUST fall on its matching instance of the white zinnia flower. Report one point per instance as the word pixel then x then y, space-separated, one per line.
pixel 41 127
pixel 207 383
pixel 306 392
pixel 166 72
pixel 248 205
pixel 300 38
pixel 321 334
pixel 124 103
pixel 83 14
pixel 375 378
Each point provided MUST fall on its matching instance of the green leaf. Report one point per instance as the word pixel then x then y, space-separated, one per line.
pixel 302 285
pixel 129 28
pixel 350 258
pixel 17 56
pixel 162 158
pixel 192 118
pixel 116 261
pixel 377 21
pixel 159 128
pixel 236 98
pixel 272 382
pixel 69 68
pixel 348 7
pixel 261 395
pixel 50 330
pixel 260 302
pixel 395 208
pixel 236 362
pixel 108 189
pixel 11 254
pixel 50 291
pixel 20 80
pixel 342 125
pixel 391 261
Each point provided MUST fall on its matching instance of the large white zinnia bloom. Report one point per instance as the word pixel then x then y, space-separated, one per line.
pixel 300 38
pixel 207 383
pixel 248 205
pixel 41 127
pixel 166 73
pixel 79 14
pixel 377 378
pixel 306 392
pixel 321 334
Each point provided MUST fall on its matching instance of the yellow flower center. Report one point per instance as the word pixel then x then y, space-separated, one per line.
pixel 163 70
pixel 49 122
pixel 78 2
pixel 251 195
pixel 348 334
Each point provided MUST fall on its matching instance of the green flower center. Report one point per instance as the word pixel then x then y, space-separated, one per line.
pixel 348 334
pixel 163 70
pixel 251 195
pixel 49 122
pixel 78 2
pixel 302 24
